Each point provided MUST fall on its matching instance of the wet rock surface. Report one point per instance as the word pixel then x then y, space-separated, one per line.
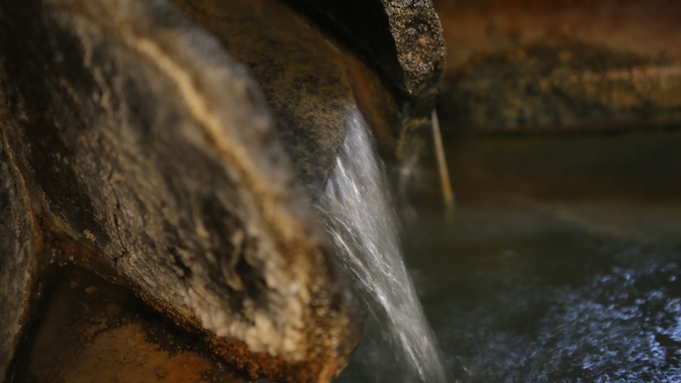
pixel 17 258
pixel 402 42
pixel 524 64
pixel 142 140
pixel 302 76
pixel 312 82
pixel 90 330
pixel 403 39
pixel 149 154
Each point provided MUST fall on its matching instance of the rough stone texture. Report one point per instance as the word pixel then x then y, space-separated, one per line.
pixel 531 65
pixel 142 140
pixel 17 260
pixel 112 336
pixel 561 84
pixel 402 41
pixel 301 74
pixel 421 53
pixel 311 83
pixel 418 38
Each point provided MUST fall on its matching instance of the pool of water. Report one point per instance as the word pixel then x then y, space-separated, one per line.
pixel 520 291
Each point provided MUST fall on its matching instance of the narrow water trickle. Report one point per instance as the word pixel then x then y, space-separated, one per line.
pixel 398 344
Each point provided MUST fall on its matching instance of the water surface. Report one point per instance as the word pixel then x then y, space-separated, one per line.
pixel 522 291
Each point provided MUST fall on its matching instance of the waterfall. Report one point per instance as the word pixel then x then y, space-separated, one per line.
pixel 398 344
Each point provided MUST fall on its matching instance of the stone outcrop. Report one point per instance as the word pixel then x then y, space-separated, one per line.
pixel 402 41
pixel 311 81
pixel 302 75
pixel 177 149
pixel 141 139
pixel 527 65
pixel 17 260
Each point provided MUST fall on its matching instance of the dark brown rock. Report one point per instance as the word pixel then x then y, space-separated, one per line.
pixel 112 336
pixel 302 76
pixel 144 145
pixel 312 82
pixel 521 65
pixel 140 138
pixel 402 41
pixel 418 39
pixel 17 257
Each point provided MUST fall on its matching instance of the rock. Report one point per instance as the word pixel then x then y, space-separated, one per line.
pixel 152 156
pixel 301 74
pixel 112 336
pixel 311 82
pixel 17 258
pixel 141 139
pixel 403 42
pixel 518 65
pixel 401 39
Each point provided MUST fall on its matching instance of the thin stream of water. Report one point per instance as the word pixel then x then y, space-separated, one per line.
pixel 398 344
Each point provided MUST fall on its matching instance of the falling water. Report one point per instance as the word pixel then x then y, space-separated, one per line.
pixel 358 214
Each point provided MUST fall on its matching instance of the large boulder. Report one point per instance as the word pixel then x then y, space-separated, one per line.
pixel 402 42
pixel 178 148
pixel 140 138
pixel 17 257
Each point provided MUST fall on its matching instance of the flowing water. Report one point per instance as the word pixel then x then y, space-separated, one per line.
pixel 398 345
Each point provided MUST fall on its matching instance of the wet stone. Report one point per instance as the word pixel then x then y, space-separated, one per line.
pixel 522 65
pixel 17 258
pixel 108 335
pixel 143 142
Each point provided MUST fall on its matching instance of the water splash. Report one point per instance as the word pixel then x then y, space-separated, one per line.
pixel 358 214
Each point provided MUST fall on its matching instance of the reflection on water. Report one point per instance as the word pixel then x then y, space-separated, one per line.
pixel 520 292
